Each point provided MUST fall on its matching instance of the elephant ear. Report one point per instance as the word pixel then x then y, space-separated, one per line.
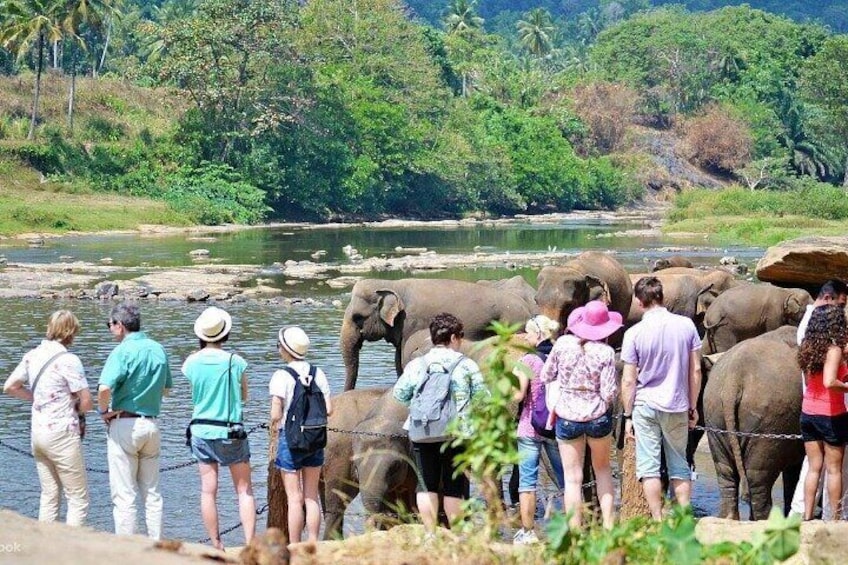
pixel 594 284
pixel 390 305
pixel 792 308
pixel 705 297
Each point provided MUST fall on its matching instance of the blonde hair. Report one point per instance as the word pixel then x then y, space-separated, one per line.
pixel 543 326
pixel 63 326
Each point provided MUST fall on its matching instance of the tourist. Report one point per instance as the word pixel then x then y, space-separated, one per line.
pixel 539 332
pixel 659 393
pixel 833 291
pixel 300 468
pixel 824 418
pixel 433 455
pixel 216 433
pixel 581 370
pixel 58 392
pixel 134 379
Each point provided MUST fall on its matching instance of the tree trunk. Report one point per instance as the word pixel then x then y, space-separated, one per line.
pixel 37 94
pixel 845 176
pixel 99 67
pixel 278 508
pixel 633 501
pixel 73 89
pixel 55 54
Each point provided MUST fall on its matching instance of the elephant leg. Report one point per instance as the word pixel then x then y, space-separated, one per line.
pixel 791 475
pixel 336 494
pixel 727 477
pixel 760 484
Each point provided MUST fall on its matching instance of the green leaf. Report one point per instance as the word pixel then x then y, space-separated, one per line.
pixel 559 534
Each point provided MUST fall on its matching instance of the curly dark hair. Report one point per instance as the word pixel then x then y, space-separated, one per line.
pixel 827 327
pixel 443 326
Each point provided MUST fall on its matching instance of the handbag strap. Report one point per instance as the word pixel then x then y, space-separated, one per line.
pixel 41 372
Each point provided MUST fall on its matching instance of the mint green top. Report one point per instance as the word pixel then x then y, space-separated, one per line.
pixel 212 396
pixel 137 371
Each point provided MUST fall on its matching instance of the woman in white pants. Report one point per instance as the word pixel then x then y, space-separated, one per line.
pixel 57 388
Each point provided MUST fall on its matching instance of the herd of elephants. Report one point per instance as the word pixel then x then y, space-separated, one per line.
pixel 751 374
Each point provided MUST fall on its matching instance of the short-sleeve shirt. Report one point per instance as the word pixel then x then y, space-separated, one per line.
pixel 525 425
pixel 585 373
pixel 216 380
pixel 660 346
pixel 466 380
pixel 282 384
pixel 137 371
pixel 52 406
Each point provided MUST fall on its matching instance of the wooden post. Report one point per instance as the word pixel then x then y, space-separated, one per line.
pixel 633 501
pixel 278 508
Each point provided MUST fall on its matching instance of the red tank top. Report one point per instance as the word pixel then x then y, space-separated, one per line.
pixel 822 401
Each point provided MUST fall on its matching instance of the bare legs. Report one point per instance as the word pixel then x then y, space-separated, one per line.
pixel 302 491
pixel 527 506
pixel 428 508
pixel 572 453
pixel 822 455
pixel 240 473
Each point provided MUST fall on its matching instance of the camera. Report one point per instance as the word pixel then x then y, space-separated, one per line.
pixel 236 431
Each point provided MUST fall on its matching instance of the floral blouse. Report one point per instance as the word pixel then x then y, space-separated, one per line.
pixel 53 406
pixel 586 377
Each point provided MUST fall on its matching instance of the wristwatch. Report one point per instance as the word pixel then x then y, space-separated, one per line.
pixel 627 416
pixel 101 412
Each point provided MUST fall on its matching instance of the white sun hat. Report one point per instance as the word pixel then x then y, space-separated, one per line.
pixel 213 324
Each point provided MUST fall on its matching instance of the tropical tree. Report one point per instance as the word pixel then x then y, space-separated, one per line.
pixel 28 24
pixel 535 33
pixel 461 17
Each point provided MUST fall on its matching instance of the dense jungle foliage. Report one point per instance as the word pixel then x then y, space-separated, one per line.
pixel 361 108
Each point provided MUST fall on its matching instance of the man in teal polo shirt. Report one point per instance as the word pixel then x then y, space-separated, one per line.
pixel 134 379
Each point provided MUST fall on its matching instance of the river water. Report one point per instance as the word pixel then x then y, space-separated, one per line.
pixel 22 323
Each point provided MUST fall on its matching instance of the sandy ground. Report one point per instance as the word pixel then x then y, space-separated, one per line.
pixel 24 541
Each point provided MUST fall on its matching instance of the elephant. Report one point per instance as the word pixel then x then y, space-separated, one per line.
pixel 378 467
pixel 682 294
pixel 589 276
pixel 394 310
pixel 669 262
pixel 516 285
pixel 755 387
pixel 751 310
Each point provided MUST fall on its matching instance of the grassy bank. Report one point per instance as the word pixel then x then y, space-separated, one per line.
pixel 761 218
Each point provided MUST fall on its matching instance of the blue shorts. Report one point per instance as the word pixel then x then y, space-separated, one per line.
pixel 568 430
pixel 529 451
pixel 291 462
pixel 224 452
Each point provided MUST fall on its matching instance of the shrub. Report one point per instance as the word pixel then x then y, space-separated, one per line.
pixel 607 109
pixel 716 140
pixel 98 128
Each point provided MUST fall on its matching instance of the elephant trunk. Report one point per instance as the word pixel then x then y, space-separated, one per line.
pixel 350 343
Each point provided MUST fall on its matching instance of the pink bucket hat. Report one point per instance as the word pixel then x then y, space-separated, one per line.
pixel 593 321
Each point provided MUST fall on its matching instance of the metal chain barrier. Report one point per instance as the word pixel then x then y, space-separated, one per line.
pixel 748 434
pixel 259 512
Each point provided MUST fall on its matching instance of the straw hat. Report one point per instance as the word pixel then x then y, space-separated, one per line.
pixel 295 341
pixel 593 321
pixel 213 324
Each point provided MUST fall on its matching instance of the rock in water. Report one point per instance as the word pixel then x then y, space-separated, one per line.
pixel 106 290
pixel 805 261
pixel 197 295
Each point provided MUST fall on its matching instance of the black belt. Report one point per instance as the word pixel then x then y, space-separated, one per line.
pixel 126 414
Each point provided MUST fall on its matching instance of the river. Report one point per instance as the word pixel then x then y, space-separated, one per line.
pixel 22 323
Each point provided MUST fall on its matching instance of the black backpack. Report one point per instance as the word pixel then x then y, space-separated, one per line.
pixel 306 421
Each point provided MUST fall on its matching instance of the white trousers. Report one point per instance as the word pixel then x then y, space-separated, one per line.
pixel 133 451
pixel 61 467
pixel 798 498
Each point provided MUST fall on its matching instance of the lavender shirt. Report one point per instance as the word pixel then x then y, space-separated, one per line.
pixel 659 346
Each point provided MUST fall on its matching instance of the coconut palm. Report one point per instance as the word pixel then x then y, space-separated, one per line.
pixel 27 24
pixel 461 17
pixel 536 32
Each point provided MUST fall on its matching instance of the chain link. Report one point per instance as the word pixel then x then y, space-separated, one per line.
pixel 368 434
pixel 764 435
pixel 259 512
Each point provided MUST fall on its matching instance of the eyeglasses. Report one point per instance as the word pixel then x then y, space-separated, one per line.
pixel 110 323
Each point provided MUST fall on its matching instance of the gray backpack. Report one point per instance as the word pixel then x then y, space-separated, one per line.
pixel 433 406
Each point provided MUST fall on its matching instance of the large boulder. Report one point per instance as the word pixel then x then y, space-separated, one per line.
pixel 806 261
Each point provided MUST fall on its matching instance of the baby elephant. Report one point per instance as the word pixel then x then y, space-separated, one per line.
pixel 669 262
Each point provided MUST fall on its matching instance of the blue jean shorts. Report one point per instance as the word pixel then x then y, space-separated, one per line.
pixel 568 430
pixel 529 452
pixel 224 452
pixel 295 461
pixel 654 431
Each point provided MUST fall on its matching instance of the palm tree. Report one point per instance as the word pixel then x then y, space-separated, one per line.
pixel 28 23
pixel 536 32
pixel 461 17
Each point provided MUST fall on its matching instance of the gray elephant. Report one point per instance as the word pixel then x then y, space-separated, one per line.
pixel 589 276
pixel 373 461
pixel 394 310
pixel 755 387
pixel 669 262
pixel 516 285
pixel 747 311
pixel 683 294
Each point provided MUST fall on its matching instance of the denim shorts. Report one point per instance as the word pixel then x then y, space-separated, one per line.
pixel 529 452
pixel 295 461
pixel 224 452
pixel 832 430
pixel 654 431
pixel 568 430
